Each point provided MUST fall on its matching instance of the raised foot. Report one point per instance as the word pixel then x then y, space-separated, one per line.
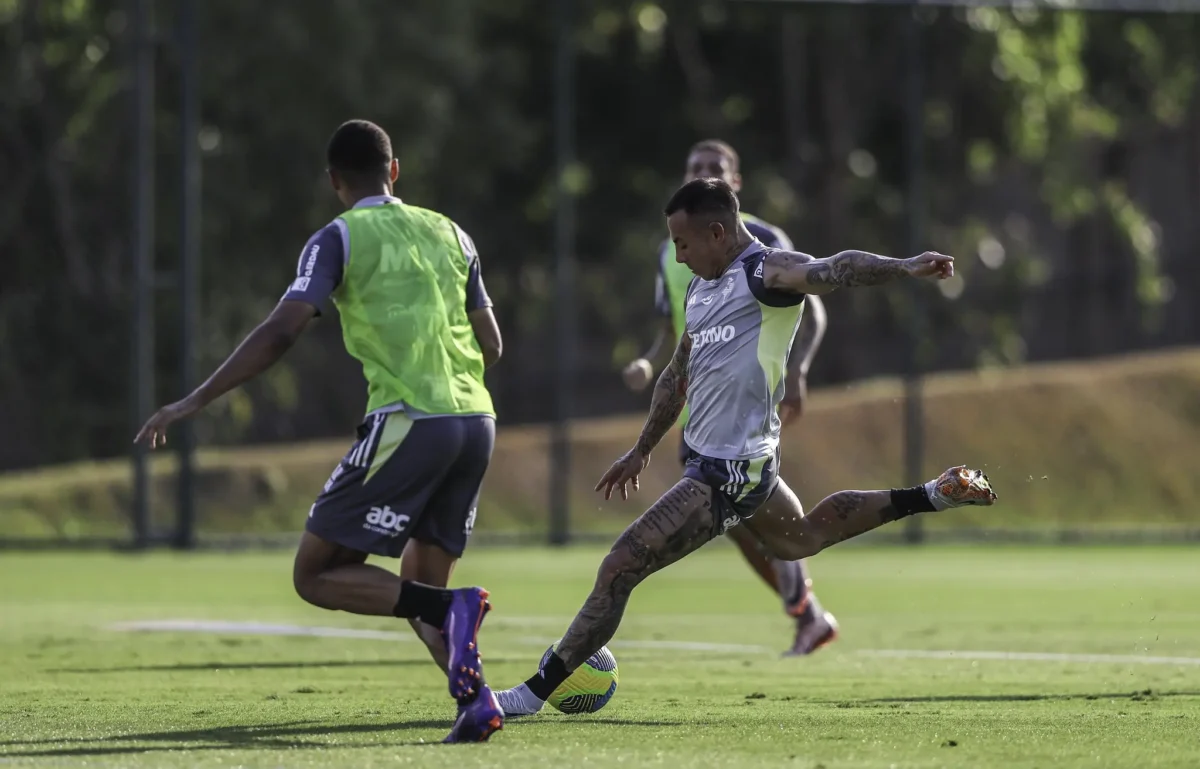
pixel 959 487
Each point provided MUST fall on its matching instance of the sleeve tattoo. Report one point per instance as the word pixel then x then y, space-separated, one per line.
pixel 670 395
pixel 854 268
pixel 799 272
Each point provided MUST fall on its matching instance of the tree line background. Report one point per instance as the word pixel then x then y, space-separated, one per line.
pixel 1062 152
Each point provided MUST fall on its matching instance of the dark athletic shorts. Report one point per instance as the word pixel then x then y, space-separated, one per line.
pixel 740 486
pixel 406 478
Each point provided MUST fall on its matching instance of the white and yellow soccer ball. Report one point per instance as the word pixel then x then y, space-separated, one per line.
pixel 590 687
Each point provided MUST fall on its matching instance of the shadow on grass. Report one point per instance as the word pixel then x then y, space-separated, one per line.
pixel 1137 696
pixel 284 736
pixel 257 737
pixel 273 665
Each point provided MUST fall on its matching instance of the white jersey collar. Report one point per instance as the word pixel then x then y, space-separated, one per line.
pixel 377 200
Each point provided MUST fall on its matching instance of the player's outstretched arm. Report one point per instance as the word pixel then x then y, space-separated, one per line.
pixel 265 345
pixel 801 274
pixel 670 395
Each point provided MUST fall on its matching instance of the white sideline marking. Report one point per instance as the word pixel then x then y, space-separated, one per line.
pixel 679 646
pixel 258 628
pixel 262 628
pixel 1116 659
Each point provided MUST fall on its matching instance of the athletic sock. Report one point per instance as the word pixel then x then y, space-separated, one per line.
pixel 906 502
pixel 424 602
pixel 793 584
pixel 553 673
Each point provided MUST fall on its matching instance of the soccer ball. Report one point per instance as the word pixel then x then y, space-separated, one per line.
pixel 590 687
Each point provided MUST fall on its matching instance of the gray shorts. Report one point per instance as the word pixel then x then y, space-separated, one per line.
pixel 406 478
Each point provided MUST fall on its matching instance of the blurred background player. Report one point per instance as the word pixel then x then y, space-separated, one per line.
pixel 714 158
pixel 406 282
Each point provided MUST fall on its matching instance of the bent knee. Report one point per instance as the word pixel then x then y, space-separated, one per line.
pixel 305 583
pixel 791 552
pixel 619 571
pixel 804 544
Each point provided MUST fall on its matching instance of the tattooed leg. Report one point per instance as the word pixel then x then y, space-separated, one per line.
pixel 679 523
pixel 792 535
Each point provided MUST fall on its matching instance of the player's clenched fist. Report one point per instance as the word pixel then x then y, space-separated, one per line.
pixel 638 374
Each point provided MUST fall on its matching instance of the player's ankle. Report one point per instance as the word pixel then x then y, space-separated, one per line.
pixel 423 602
pixel 906 502
pixel 552 673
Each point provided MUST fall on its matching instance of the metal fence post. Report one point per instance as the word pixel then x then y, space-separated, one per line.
pixel 142 253
pixel 564 275
pixel 189 253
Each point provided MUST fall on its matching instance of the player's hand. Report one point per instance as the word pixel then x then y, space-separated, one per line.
pixel 930 264
pixel 154 432
pixel 795 396
pixel 638 374
pixel 623 471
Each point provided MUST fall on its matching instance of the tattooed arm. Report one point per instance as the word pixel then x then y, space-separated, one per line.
pixel 798 273
pixel 670 395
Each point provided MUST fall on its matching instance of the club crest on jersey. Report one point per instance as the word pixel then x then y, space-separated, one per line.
pixel 725 292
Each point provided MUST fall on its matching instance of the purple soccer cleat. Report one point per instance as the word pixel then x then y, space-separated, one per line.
pixel 478 720
pixel 460 631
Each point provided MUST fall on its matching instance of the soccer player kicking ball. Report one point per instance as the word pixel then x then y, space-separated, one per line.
pixel 742 311
pixel 713 158
pixel 415 313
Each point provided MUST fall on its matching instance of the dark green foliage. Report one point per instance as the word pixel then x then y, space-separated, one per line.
pixel 1058 146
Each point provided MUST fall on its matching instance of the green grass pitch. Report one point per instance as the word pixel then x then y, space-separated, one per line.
pixel 75 692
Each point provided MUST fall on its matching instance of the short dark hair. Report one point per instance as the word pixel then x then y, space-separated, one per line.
pixel 721 148
pixel 705 196
pixel 359 148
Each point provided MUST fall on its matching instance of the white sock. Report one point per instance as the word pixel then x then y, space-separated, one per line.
pixel 935 497
pixel 519 701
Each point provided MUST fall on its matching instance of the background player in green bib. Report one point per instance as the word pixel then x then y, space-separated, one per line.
pixel 407 284
pixel 713 158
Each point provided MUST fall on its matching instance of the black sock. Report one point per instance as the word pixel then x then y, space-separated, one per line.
pixel 423 602
pixel 553 673
pixel 906 502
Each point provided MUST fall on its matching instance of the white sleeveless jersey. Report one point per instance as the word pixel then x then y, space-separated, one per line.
pixel 741 335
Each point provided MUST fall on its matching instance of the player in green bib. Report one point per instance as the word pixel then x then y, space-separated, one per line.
pixel 406 282
pixel 713 158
